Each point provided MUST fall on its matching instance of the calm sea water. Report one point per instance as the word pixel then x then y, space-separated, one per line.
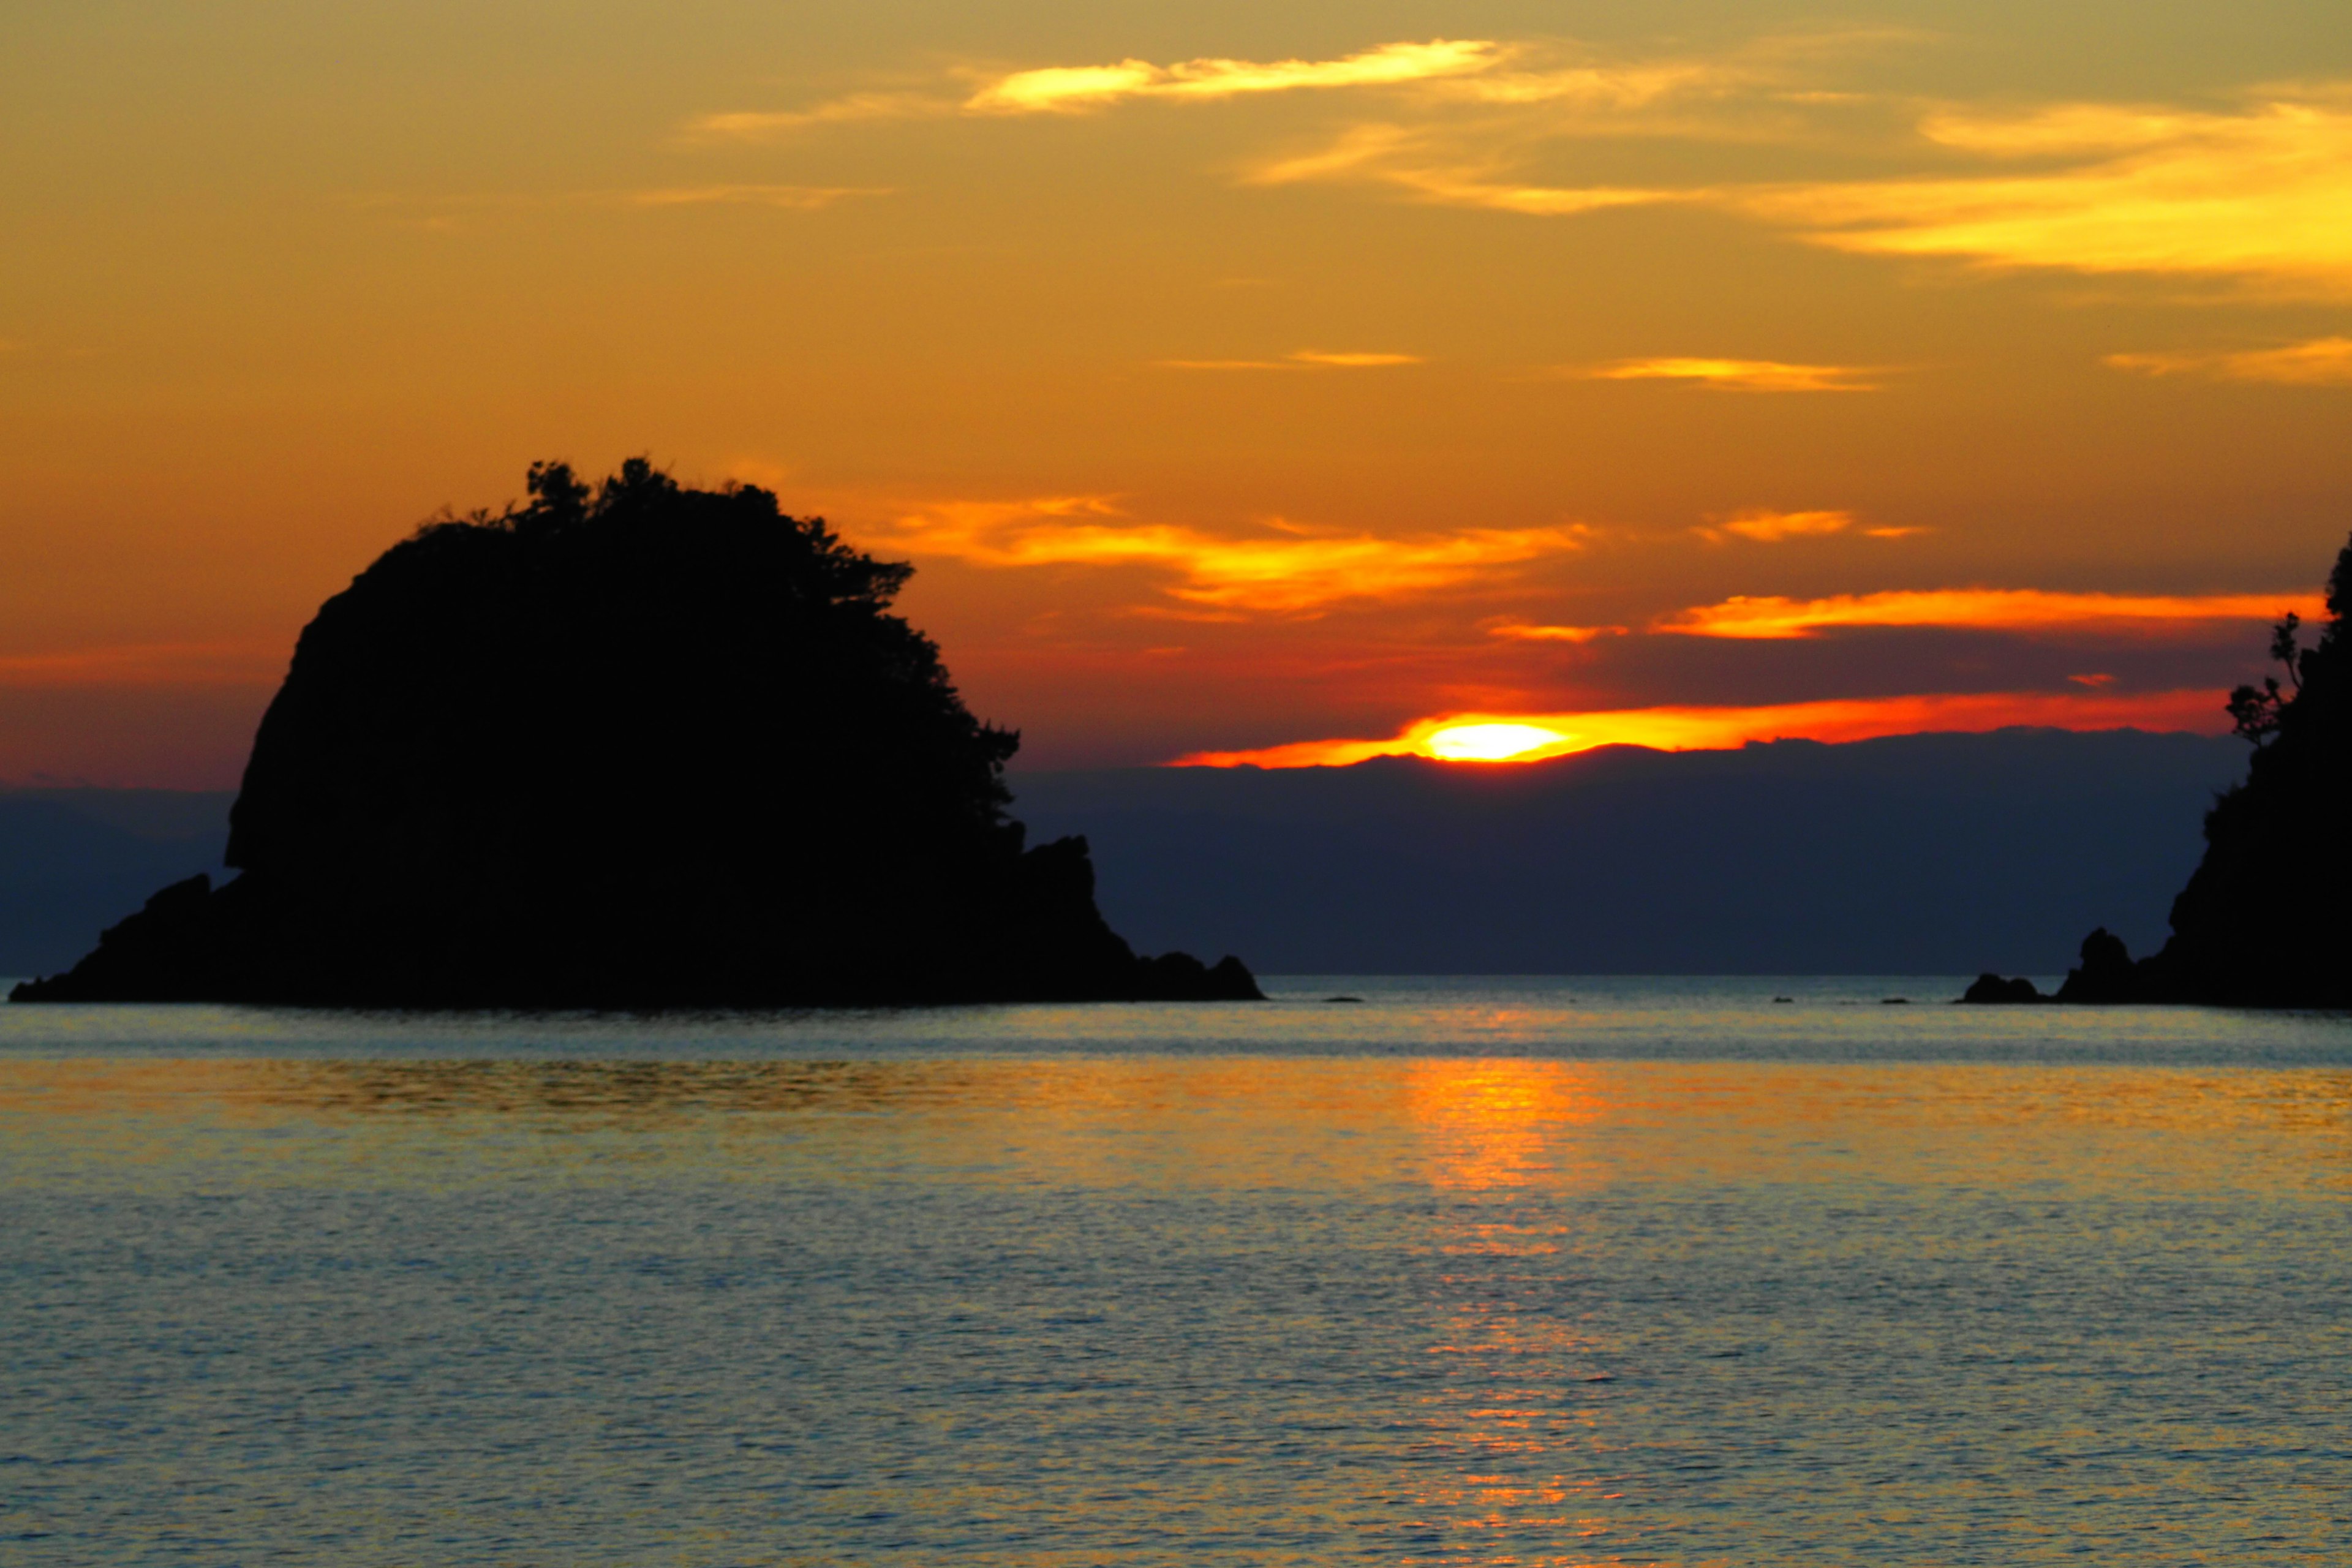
pixel 1473 1271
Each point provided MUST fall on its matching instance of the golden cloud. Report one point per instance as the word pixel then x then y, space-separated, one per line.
pixel 2321 362
pixel 1772 527
pixel 1519 631
pixel 1288 570
pixel 1078 89
pixel 762 125
pixel 1982 609
pixel 2262 195
pixel 1430 167
pixel 1713 729
pixel 1732 374
pixel 800 198
pixel 1301 359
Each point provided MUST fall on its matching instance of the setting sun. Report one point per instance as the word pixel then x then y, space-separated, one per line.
pixel 1490 743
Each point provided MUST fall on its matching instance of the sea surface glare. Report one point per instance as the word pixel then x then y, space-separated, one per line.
pixel 1475 1272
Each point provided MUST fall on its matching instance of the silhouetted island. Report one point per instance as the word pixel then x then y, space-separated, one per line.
pixel 647 747
pixel 2264 922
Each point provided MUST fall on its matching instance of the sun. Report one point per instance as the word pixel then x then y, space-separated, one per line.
pixel 1490 743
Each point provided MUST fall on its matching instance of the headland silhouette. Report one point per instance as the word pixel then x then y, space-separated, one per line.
pixel 638 746
pixel 2263 921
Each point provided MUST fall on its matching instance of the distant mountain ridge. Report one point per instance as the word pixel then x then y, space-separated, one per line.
pixel 72 860
pixel 1915 854
pixel 1918 854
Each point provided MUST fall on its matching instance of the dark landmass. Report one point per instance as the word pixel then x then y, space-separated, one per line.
pixel 1913 855
pixel 71 860
pixel 2263 921
pixel 656 747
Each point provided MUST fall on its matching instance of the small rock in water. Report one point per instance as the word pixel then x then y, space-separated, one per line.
pixel 1343 998
pixel 1776 1001
pixel 1894 1001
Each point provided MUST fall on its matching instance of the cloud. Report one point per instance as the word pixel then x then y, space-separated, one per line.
pixel 799 198
pixel 2258 195
pixel 1431 165
pixel 1731 374
pixel 2321 362
pixel 1982 609
pixel 765 125
pixel 1079 89
pixel 1713 729
pixel 1289 569
pixel 1519 631
pixel 245 663
pixel 1298 359
pixel 1353 361
pixel 1773 527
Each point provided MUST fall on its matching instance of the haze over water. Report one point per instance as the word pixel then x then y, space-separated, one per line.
pixel 1529 1271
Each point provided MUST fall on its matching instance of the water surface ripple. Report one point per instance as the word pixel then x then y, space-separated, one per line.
pixel 1528 1272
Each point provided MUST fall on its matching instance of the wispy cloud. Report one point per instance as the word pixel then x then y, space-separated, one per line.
pixel 1435 165
pixel 2321 362
pixel 245 663
pixel 1773 527
pixel 1301 359
pixel 1713 729
pixel 1983 609
pixel 1080 88
pixel 1353 361
pixel 800 198
pixel 766 125
pixel 1287 568
pixel 1731 374
pixel 2258 196
pixel 1521 631
pixel 1088 89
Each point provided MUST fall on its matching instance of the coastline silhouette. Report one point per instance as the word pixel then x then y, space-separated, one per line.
pixel 2264 922
pixel 642 747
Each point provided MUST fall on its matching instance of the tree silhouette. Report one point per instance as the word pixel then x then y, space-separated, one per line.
pixel 2263 921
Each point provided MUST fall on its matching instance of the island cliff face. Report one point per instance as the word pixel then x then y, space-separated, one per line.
pixel 2264 922
pixel 654 747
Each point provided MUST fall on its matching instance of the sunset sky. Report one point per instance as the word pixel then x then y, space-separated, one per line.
pixel 1244 380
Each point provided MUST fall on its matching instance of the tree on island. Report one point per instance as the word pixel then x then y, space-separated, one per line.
pixel 643 745
pixel 2264 922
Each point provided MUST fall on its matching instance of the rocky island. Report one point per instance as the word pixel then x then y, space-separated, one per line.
pixel 643 746
pixel 2264 922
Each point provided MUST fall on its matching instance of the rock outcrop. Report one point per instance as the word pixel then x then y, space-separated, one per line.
pixel 2266 920
pixel 652 747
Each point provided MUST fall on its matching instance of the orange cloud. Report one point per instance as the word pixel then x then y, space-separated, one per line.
pixel 2260 195
pixel 2321 362
pixel 1515 631
pixel 147 664
pixel 1301 359
pixel 1353 361
pixel 1425 165
pixel 1290 569
pixel 1772 527
pixel 1516 737
pixel 1991 609
pixel 1077 89
pixel 798 198
pixel 1732 374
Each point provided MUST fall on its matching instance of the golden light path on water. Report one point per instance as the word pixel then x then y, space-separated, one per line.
pixel 1015 1286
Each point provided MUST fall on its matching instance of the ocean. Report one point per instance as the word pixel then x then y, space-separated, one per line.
pixel 1519 1271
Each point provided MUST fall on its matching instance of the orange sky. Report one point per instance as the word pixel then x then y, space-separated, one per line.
pixel 1238 377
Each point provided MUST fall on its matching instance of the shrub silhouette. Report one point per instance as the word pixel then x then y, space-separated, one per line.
pixel 649 745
